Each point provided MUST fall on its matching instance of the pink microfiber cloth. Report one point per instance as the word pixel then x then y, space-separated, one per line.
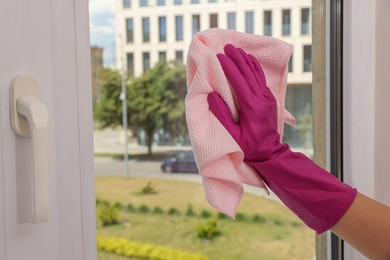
pixel 218 156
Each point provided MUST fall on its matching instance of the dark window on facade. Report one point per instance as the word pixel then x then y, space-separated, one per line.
pixel 145 29
pixel 307 58
pixel 177 2
pixel 213 20
pixel 249 22
pixel 160 2
pixel 130 64
pixel 179 27
pixel 195 24
pixel 179 56
pixel 268 23
pixel 143 3
pixel 305 21
pixel 290 64
pixel 286 22
pixel 194 1
pixel 146 61
pixel 162 57
pixel 162 28
pixel 231 21
pixel 126 3
pixel 129 30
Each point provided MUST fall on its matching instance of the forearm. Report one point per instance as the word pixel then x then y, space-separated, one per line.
pixel 366 226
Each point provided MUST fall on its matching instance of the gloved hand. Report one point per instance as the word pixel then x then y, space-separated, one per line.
pixel 315 195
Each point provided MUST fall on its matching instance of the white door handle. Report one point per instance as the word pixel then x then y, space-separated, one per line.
pixel 29 118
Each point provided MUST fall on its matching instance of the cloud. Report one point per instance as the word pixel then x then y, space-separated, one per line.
pixel 102 29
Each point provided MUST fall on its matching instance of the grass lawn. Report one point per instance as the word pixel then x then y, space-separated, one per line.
pixel 282 236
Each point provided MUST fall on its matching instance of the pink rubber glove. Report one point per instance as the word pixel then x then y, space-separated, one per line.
pixel 316 196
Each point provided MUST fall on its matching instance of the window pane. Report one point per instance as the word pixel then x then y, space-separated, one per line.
pixel 129 30
pixel 162 56
pixel 194 1
pixel 290 64
pixel 249 22
pixel 145 29
pixel 130 64
pixel 268 23
pixel 195 24
pixel 179 56
pixel 305 21
pixel 162 22
pixel 307 58
pixel 213 20
pixel 179 27
pixel 143 3
pixel 160 2
pixel 286 27
pixel 146 61
pixel 177 2
pixel 212 1
pixel 231 21
pixel 126 3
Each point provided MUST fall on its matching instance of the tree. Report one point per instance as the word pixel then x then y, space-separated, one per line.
pixel 154 100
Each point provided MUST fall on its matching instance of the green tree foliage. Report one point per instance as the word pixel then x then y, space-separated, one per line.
pixel 154 101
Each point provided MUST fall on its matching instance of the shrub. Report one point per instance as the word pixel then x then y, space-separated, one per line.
pixel 148 189
pixel 221 215
pixel 173 211
pixel 241 217
pixel 205 214
pixel 158 210
pixel 108 214
pixel 119 205
pixel 130 208
pixel 258 219
pixel 137 250
pixel 144 209
pixel 190 211
pixel 208 230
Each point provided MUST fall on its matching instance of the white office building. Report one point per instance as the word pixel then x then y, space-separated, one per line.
pixel 148 31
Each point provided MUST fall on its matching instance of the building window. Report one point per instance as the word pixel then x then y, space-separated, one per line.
pixel 195 24
pixel 249 22
pixel 286 22
pixel 160 2
pixel 179 27
pixel 146 61
pixel 268 23
pixel 143 3
pixel 126 3
pixel 213 20
pixel 162 28
pixel 129 30
pixel 212 1
pixel 179 56
pixel 162 57
pixel 231 21
pixel 130 64
pixel 290 64
pixel 305 21
pixel 307 58
pixel 177 2
pixel 145 29
pixel 194 1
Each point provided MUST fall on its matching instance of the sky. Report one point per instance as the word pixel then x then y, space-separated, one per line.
pixel 102 30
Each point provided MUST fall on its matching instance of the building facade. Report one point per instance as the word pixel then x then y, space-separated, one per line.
pixel 148 31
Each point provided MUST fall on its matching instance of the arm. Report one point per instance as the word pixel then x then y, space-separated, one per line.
pixel 366 227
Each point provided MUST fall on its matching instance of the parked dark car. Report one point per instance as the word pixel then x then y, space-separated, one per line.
pixel 181 162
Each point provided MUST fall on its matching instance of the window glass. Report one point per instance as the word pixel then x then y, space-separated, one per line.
pixel 143 3
pixel 290 64
pixel 307 58
pixel 160 2
pixel 162 23
pixel 177 2
pixel 249 22
pixel 231 21
pixel 129 30
pixel 213 20
pixel 194 1
pixel 195 24
pixel 162 56
pixel 126 3
pixel 268 23
pixel 179 27
pixel 146 61
pixel 286 26
pixel 145 29
pixel 305 21
pixel 179 56
pixel 130 64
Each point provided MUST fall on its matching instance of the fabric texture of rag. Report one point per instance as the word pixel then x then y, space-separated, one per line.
pixel 219 158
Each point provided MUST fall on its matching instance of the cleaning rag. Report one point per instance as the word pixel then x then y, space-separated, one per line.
pixel 218 157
